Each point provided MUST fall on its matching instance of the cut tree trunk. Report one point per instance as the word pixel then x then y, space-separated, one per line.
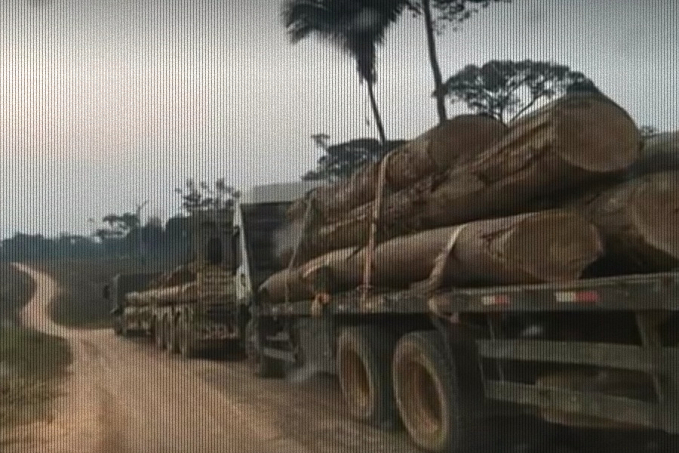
pixel 434 151
pixel 574 141
pixel 659 153
pixel 638 221
pixel 549 246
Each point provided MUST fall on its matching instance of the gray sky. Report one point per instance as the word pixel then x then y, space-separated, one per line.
pixel 107 103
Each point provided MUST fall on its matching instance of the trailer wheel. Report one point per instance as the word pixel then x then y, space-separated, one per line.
pixel 427 394
pixel 364 368
pixel 117 328
pixel 171 335
pixel 124 331
pixel 262 366
pixel 159 330
pixel 186 343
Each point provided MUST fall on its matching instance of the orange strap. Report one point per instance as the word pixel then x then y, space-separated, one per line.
pixel 377 211
pixel 433 282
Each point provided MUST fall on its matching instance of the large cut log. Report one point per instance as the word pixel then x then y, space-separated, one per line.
pixel 638 221
pixel 659 153
pixel 183 293
pixel 434 151
pixel 548 246
pixel 574 141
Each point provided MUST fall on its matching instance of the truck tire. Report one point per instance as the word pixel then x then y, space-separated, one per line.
pixel 427 395
pixel 364 368
pixel 117 328
pixel 159 331
pixel 171 335
pixel 185 340
pixel 124 331
pixel 261 365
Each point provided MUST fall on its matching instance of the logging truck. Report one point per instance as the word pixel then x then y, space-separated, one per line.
pixel 593 352
pixel 192 308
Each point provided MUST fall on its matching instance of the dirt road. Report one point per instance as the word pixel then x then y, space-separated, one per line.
pixel 126 396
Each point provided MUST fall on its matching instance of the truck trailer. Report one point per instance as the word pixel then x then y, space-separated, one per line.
pixel 596 353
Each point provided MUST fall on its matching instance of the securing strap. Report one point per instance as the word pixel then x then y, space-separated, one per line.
pixel 377 211
pixel 435 279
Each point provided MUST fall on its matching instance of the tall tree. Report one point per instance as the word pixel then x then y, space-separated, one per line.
pixel 201 195
pixel 455 11
pixel 505 89
pixel 356 27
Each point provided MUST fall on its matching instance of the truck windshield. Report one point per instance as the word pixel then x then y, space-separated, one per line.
pixel 261 222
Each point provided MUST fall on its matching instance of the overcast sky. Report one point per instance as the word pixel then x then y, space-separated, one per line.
pixel 107 103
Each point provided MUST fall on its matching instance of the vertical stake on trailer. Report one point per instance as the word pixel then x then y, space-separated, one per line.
pixel 377 211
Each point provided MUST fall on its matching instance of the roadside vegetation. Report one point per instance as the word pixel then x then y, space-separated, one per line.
pixel 81 303
pixel 31 363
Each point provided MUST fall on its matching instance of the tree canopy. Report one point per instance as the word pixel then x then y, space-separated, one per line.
pixel 506 89
pixel 201 195
pixel 343 159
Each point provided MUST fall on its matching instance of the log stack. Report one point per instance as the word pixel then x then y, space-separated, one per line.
pixel 472 202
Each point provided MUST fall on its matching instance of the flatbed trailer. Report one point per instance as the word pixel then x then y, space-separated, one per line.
pixel 486 360
pixel 595 353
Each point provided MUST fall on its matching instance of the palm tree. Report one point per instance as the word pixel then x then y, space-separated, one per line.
pixel 356 27
pixel 434 62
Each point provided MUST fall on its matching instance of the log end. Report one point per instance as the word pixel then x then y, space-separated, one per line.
pixel 554 246
pixel 595 134
pixel 654 209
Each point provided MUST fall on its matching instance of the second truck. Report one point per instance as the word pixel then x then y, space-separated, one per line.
pixel 192 308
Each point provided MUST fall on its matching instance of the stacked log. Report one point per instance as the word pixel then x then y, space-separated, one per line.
pixel 574 141
pixel 560 192
pixel 638 220
pixel 435 151
pixel 659 153
pixel 183 293
pixel 550 246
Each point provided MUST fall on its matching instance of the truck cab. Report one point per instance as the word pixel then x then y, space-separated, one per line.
pixel 259 215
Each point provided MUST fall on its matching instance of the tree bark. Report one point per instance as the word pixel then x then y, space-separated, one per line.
pixel 659 153
pixel 550 246
pixel 376 113
pixel 638 221
pixel 565 146
pixel 434 151
pixel 439 94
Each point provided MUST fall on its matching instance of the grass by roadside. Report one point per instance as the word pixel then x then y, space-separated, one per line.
pixel 31 363
pixel 31 367
pixel 15 290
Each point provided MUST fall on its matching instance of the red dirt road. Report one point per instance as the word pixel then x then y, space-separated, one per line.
pixel 125 396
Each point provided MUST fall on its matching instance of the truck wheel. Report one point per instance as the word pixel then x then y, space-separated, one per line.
pixel 427 394
pixel 117 329
pixel 159 329
pixel 364 368
pixel 187 347
pixel 124 331
pixel 171 335
pixel 261 365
